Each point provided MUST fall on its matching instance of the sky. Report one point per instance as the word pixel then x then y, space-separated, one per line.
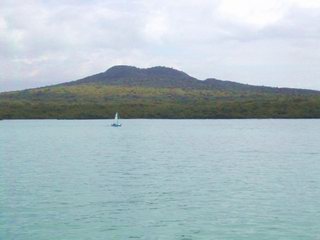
pixel 261 42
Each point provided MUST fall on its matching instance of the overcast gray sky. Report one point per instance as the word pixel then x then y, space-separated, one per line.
pixel 262 42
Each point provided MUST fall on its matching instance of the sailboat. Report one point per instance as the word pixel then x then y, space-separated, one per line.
pixel 116 121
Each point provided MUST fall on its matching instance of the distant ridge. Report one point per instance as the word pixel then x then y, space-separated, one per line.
pixel 157 92
pixel 165 77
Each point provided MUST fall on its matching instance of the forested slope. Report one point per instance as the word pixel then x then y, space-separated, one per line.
pixel 157 92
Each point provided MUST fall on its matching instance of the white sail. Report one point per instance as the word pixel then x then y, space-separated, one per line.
pixel 116 121
pixel 116 118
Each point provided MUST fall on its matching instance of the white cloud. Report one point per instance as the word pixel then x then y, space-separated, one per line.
pixel 156 27
pixel 306 3
pixel 259 13
pixel 45 42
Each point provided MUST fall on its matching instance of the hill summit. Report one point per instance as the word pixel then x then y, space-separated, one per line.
pixel 165 77
pixel 123 75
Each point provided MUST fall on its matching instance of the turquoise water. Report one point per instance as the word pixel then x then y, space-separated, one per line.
pixel 160 179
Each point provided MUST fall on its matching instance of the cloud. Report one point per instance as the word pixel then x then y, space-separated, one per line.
pixel 274 42
pixel 258 13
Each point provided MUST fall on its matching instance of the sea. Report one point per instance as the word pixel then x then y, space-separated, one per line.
pixel 160 180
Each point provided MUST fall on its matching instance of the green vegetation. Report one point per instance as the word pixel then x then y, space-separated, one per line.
pixel 90 101
pixel 157 92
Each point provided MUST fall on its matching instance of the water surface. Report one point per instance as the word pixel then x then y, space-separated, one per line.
pixel 160 179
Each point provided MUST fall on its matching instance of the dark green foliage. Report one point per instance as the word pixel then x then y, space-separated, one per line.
pixel 157 93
